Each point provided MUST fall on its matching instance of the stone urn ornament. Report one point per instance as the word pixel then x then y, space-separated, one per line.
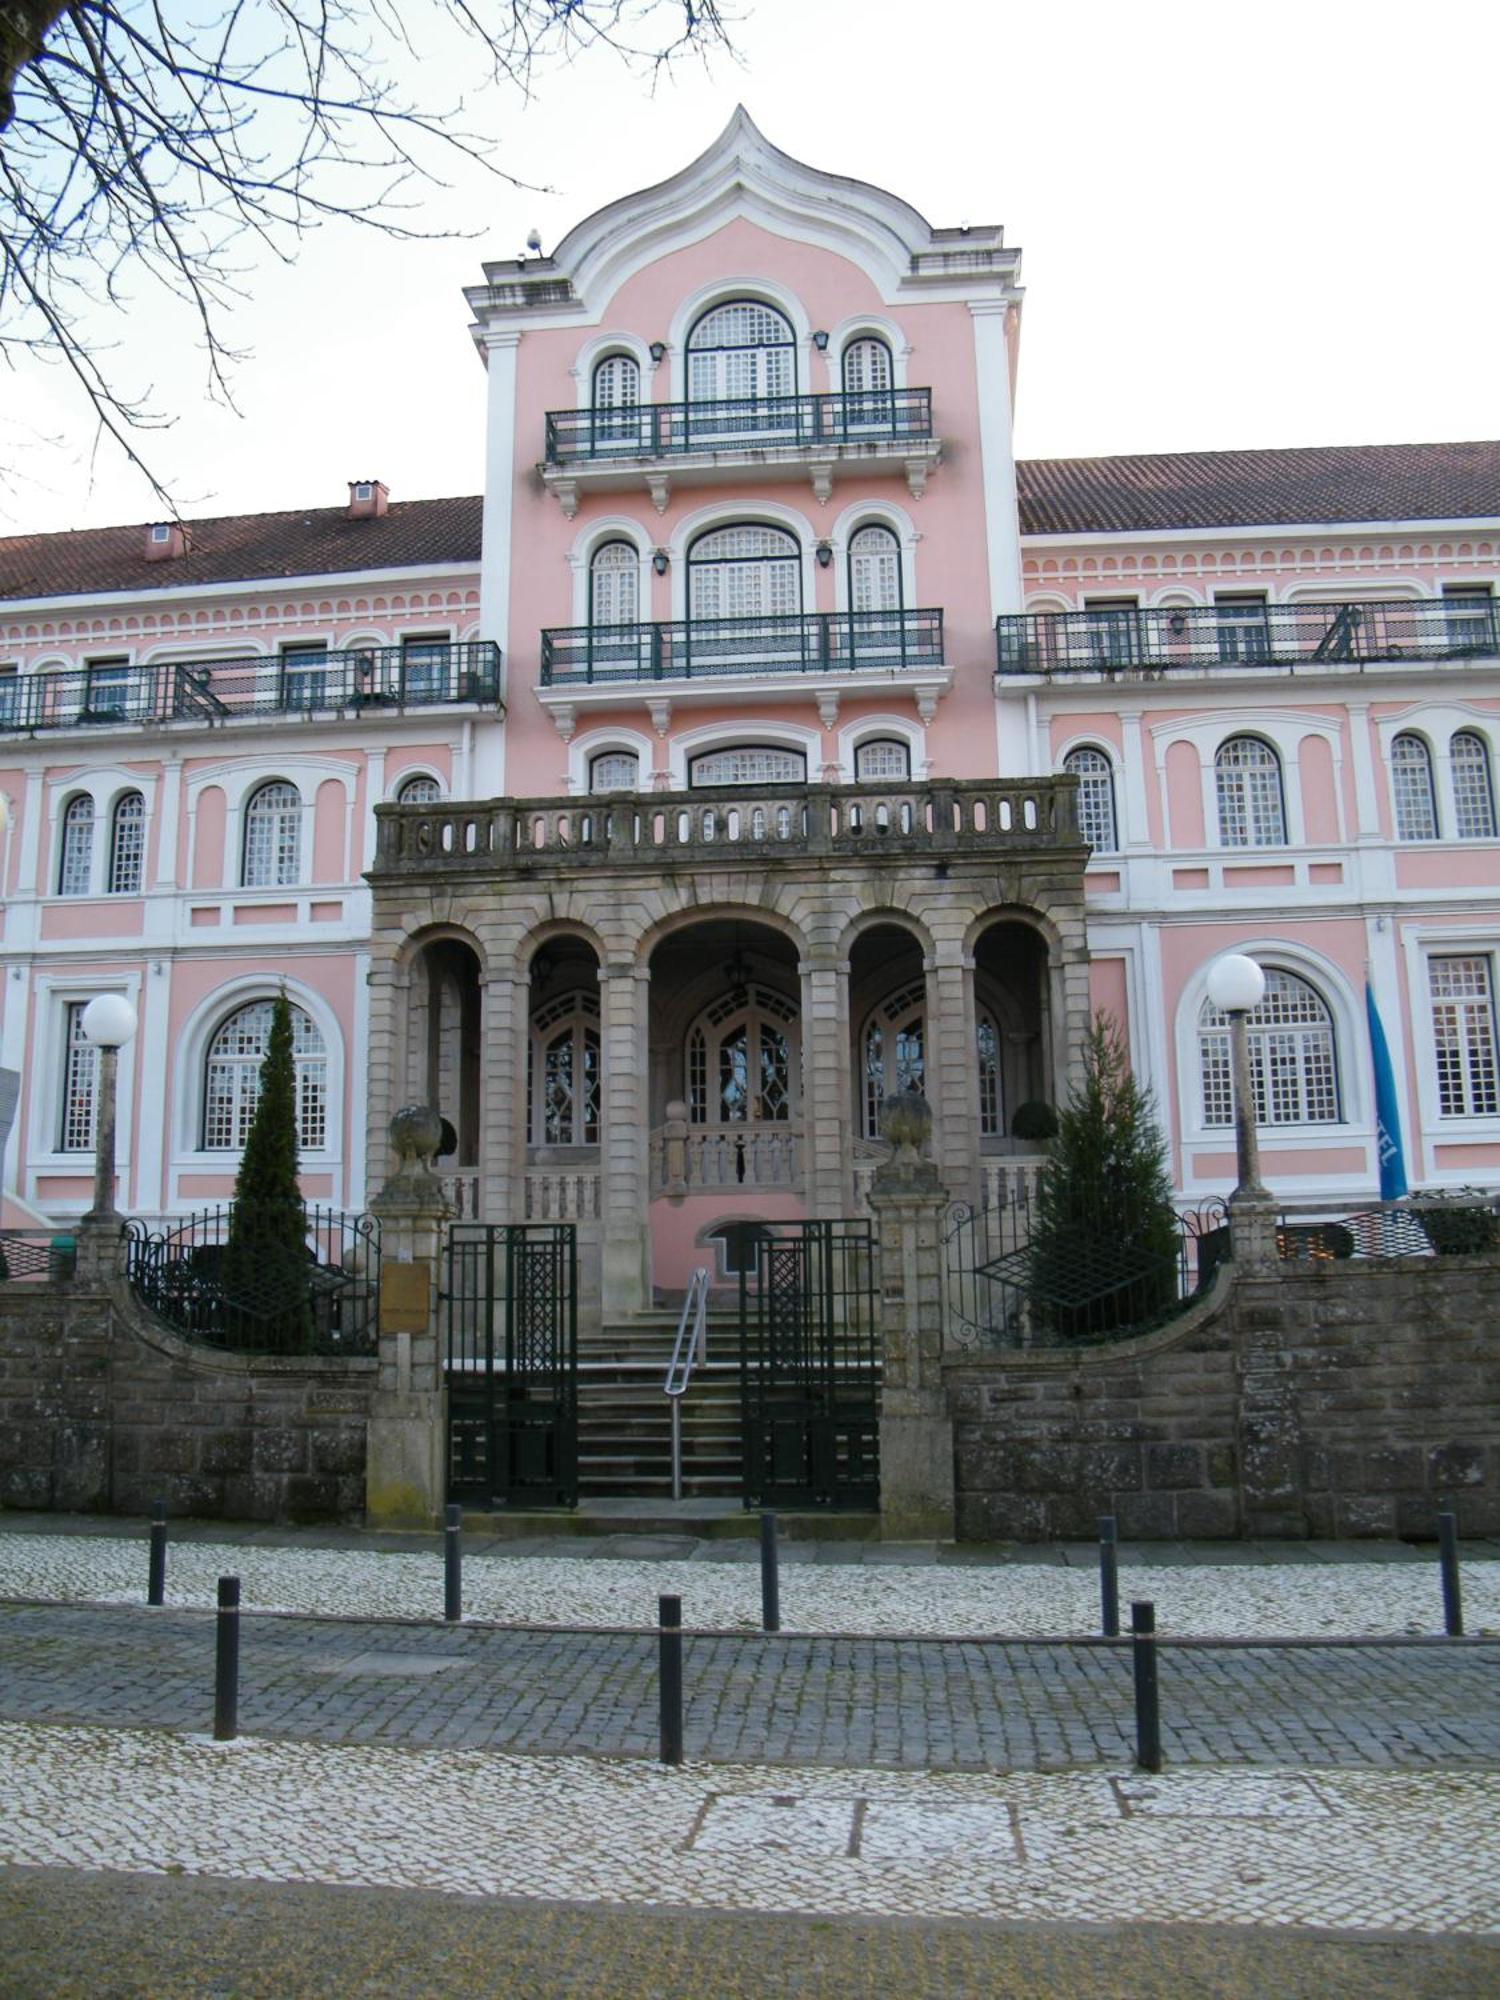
pixel 416 1134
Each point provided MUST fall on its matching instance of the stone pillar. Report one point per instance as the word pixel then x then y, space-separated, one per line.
pixel 916 1431
pixel 952 1060
pixel 503 1032
pixel 624 997
pixel 407 1436
pixel 1252 1229
pixel 385 1057
pixel 101 1249
pixel 827 1115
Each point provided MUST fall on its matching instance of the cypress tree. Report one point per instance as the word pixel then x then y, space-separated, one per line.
pixel 1103 1256
pixel 265 1261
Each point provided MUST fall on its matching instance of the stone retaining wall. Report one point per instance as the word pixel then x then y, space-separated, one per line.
pixel 102 1409
pixel 1329 1399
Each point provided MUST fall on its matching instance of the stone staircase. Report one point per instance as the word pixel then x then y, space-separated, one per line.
pixel 625 1422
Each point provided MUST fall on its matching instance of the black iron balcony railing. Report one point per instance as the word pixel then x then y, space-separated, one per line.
pixel 295 683
pixel 813 642
pixel 666 430
pixel 1110 639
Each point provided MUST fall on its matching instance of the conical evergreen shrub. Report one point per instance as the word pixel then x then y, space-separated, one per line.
pixel 1104 1253
pixel 266 1265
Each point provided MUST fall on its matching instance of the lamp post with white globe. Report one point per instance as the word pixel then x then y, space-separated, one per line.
pixel 109 1023
pixel 1237 986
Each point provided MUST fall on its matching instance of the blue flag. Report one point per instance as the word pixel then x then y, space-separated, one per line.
pixel 1387 1113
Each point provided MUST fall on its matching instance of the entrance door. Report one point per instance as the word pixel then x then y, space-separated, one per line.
pixel 511 1302
pixel 809 1366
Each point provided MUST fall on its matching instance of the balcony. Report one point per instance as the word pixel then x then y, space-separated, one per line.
pixel 367 682
pixel 828 654
pixel 1203 637
pixel 794 823
pixel 658 444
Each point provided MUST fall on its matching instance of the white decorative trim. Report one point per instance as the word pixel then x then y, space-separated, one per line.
pixel 732 513
pixel 862 326
pixel 721 291
pixel 875 514
pixel 870 727
pixel 599 349
pixel 587 544
pixel 599 743
pixel 729 735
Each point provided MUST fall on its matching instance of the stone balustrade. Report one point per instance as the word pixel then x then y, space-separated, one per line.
pixel 694 1159
pixel 559 1194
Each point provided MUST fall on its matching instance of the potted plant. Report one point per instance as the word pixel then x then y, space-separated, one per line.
pixel 1458 1221
pixel 1034 1121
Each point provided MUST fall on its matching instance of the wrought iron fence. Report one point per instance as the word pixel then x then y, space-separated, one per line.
pixel 365 680
pixel 1457 1223
pixel 301 1281
pixel 813 642
pixel 662 430
pixel 1010 1286
pixel 1124 639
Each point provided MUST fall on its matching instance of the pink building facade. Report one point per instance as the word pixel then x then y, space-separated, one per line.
pixel 763 739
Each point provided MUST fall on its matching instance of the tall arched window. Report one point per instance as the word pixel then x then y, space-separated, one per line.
pixel 1096 796
pixel 616 400
pixel 893 1050
pixel 739 351
pixel 745 571
pixel 76 863
pixel 127 844
pixel 1247 775
pixel 1293 1057
pixel 742 1061
pixel 614 585
pixel 1473 792
pixel 868 376
pixel 273 837
pixel 231 1087
pixel 1412 794
pixel 874 570
pixel 991 1091
pixel 564 1072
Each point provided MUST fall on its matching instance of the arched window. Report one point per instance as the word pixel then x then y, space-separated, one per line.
pixel 232 1078
pixel 127 844
pixel 1293 1057
pixel 1473 793
pixel 1411 789
pixel 746 571
pixel 742 1060
pixel 893 1050
pixel 614 585
pixel 1247 774
pixel 616 400
pixel 1096 796
pixel 874 570
pixel 614 771
pixel 421 790
pixel 75 867
pixel 991 1093
pixel 880 758
pixel 748 764
pixel 739 351
pixel 868 376
pixel 273 837
pixel 564 1073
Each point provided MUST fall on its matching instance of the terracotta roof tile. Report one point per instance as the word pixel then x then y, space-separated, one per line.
pixel 1226 489
pixel 321 541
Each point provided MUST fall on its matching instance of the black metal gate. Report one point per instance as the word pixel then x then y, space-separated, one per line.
pixel 810 1366
pixel 511 1302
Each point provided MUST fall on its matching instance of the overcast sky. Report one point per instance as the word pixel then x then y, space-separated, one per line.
pixel 1272 225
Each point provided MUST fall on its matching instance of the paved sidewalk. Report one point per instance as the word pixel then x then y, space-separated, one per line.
pixel 920 1704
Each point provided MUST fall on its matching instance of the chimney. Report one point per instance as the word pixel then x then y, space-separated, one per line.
pixel 165 541
pixel 368 499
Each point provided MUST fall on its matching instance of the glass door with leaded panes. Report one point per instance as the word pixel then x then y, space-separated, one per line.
pixel 744 601
pixel 741 376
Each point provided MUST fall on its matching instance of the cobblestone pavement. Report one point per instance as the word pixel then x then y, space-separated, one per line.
pixel 869 1703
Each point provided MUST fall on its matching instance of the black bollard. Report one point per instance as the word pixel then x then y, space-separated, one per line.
pixel 453 1566
pixel 1453 1600
pixel 156 1574
pixel 770 1576
pixel 1147 1706
pixel 1109 1576
pixel 669 1618
pixel 227 1662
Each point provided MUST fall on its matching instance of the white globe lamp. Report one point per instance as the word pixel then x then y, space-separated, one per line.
pixel 109 1021
pixel 1236 983
pixel 1237 986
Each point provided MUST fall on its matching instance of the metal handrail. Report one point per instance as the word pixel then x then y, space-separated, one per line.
pixel 811 422
pixel 689 1352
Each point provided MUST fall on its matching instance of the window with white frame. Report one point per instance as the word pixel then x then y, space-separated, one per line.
pixel 1247 778
pixel 111 684
pixel 868 376
pixel 231 1088
pixel 1243 629
pixel 1473 791
pixel 80 1084
pixel 421 790
pixel 748 764
pixel 880 758
pixel 1463 1035
pixel 874 570
pixel 742 1060
pixel 563 1076
pixel 1114 632
pixel 749 570
pixel 616 400
pixel 10 692
pixel 740 350
pixel 614 771
pixel 1293 1057
pixel 1096 795
pixel 304 676
pixel 1412 792
pixel 127 844
pixel 76 863
pixel 614 585
pixel 991 1095
pixel 1469 615
pixel 893 1050
pixel 424 667
pixel 273 837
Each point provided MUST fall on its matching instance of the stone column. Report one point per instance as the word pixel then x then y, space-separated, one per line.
pixel 916 1431
pixel 385 1056
pixel 827 1115
pixel 623 1001
pixel 952 1061
pixel 407 1434
pixel 503 1032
